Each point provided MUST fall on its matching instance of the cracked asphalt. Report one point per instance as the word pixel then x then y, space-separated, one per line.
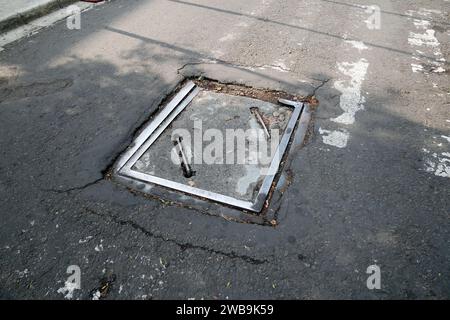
pixel 370 186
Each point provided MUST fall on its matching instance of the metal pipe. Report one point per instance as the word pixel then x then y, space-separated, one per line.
pixel 255 111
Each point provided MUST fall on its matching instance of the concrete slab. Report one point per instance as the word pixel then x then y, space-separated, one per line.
pixel 217 161
pixel 19 12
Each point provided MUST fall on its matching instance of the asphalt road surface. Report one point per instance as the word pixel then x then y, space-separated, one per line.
pixel 370 187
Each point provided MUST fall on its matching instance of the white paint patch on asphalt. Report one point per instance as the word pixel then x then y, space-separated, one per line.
pixel 427 41
pixel 99 247
pixel 438 164
pixel 68 290
pixel 96 295
pixel 88 238
pixel 423 39
pixel 351 100
pixel 421 24
pixel 357 44
pixel 439 70
pixel 416 67
pixel 336 138
pixel 22 274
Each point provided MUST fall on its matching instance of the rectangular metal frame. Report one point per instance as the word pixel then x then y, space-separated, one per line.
pixel 155 128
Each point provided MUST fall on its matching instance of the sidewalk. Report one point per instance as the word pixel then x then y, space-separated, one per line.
pixel 19 12
pixel 25 17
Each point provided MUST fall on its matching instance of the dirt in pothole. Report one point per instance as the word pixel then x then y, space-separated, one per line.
pixel 268 95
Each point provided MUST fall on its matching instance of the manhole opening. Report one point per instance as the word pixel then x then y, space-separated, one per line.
pixel 224 143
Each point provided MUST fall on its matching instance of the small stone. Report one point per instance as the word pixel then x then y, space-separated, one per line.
pixel 191 183
pixel 281 117
pixel 276 114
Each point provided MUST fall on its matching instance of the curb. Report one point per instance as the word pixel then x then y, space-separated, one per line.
pixel 21 18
